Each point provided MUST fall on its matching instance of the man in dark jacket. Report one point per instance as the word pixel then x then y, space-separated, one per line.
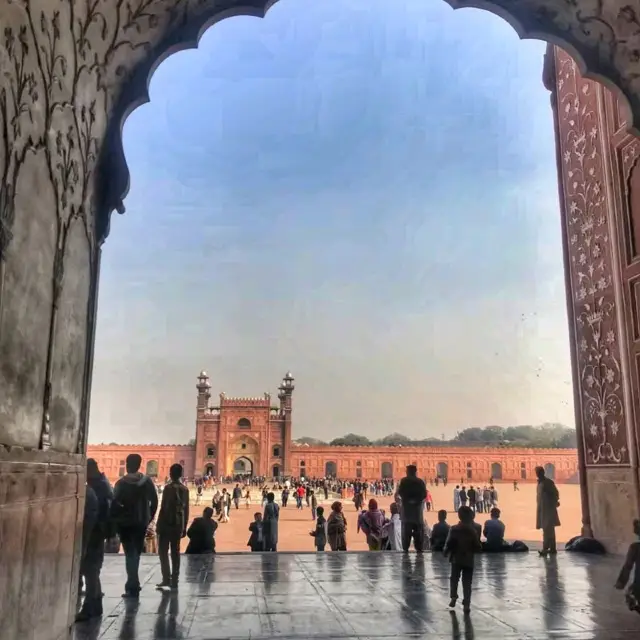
pixel 172 526
pixel 98 490
pixel 135 502
pixel 90 606
pixel 412 492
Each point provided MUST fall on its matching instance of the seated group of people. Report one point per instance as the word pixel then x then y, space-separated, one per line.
pixel 493 533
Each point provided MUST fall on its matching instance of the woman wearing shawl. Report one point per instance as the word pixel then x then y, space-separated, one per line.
pixel 337 528
pixel 372 524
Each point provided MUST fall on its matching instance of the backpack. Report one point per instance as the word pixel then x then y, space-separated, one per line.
pixel 176 517
pixel 129 508
pixel 585 545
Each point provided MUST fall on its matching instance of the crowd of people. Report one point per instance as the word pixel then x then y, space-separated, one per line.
pixel 132 515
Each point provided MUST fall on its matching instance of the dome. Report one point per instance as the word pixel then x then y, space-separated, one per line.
pixel 203 374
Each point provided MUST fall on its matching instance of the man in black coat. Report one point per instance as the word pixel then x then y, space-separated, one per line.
pixel 412 492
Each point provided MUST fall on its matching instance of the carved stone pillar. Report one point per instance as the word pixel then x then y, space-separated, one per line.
pixel 594 156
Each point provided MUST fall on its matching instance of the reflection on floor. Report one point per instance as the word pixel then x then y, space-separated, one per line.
pixel 366 595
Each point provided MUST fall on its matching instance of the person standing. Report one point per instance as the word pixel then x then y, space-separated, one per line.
pixel 135 502
pixel 456 498
pixel 337 528
pixel 392 530
pixel 172 527
pixel 463 497
pixel 92 605
pixel 547 503
pixel 270 520
pixel 237 495
pixel 320 533
pixel 412 492
pixel 471 494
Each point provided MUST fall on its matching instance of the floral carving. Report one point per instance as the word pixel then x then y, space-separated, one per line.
pixel 588 232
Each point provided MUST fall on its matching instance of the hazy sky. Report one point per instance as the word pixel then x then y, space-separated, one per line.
pixel 361 192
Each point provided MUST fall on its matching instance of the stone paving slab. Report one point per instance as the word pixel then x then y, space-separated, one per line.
pixel 368 596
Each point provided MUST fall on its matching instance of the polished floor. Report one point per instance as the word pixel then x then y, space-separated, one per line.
pixel 366 595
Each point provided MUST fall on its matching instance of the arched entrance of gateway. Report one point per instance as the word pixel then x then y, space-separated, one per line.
pixel 330 469
pixel 210 470
pixel 95 73
pixel 243 467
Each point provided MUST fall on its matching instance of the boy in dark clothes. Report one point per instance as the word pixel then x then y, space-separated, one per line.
pixel 461 546
pixel 256 540
pixel 320 533
pixel 633 558
pixel 440 532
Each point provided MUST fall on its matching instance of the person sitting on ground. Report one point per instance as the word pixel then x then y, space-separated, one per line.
pixel 494 532
pixel 440 531
pixel 462 544
pixel 202 533
pixel 633 559
pixel 256 540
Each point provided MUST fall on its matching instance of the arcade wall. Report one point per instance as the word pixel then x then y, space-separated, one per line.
pixel 467 463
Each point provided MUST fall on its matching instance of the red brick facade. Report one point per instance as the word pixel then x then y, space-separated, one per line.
pixel 253 435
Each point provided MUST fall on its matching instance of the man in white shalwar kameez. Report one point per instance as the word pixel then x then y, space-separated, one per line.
pixel 393 529
pixel 456 498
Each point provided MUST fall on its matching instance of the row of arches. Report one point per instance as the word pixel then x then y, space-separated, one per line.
pixel 442 470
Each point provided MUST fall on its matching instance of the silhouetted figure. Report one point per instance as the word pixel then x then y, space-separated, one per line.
pixel 494 532
pixel 461 546
pixel 633 559
pixel 270 519
pixel 547 503
pixel 256 539
pixel 440 532
pixel 412 492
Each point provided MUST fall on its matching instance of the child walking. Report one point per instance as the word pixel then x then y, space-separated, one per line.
pixel 320 533
pixel 461 546
pixel 632 595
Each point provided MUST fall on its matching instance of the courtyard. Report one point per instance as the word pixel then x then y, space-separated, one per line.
pixel 518 514
pixel 366 595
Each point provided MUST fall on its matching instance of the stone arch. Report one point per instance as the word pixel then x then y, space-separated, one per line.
pixel 442 470
pixel 242 466
pixel 275 471
pixel 210 450
pixel 496 471
pixel 173 25
pixel 152 468
pixel 210 470
pixel 244 423
pixel 386 470
pixel 330 469
pixel 550 470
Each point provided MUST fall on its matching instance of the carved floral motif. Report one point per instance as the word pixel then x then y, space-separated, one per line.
pixel 588 232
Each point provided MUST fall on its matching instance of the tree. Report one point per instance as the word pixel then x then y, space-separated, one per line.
pixel 314 442
pixel 192 442
pixel 394 440
pixel 351 440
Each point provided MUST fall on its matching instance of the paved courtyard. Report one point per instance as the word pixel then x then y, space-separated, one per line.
pixel 367 595
pixel 518 514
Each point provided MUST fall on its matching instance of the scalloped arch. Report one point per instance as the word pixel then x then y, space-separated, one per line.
pixel 582 28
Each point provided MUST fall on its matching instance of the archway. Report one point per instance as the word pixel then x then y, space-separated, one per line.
pixel 442 470
pixel 386 470
pixel 550 470
pixel 152 468
pixel 242 467
pixel 275 471
pixel 116 50
pixel 496 471
pixel 210 470
pixel 330 469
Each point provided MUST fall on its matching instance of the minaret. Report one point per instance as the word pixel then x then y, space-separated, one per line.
pixel 204 392
pixel 286 406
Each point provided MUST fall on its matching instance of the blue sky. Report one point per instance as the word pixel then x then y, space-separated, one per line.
pixel 365 195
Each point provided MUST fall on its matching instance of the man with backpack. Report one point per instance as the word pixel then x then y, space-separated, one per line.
pixel 172 527
pixel 135 502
